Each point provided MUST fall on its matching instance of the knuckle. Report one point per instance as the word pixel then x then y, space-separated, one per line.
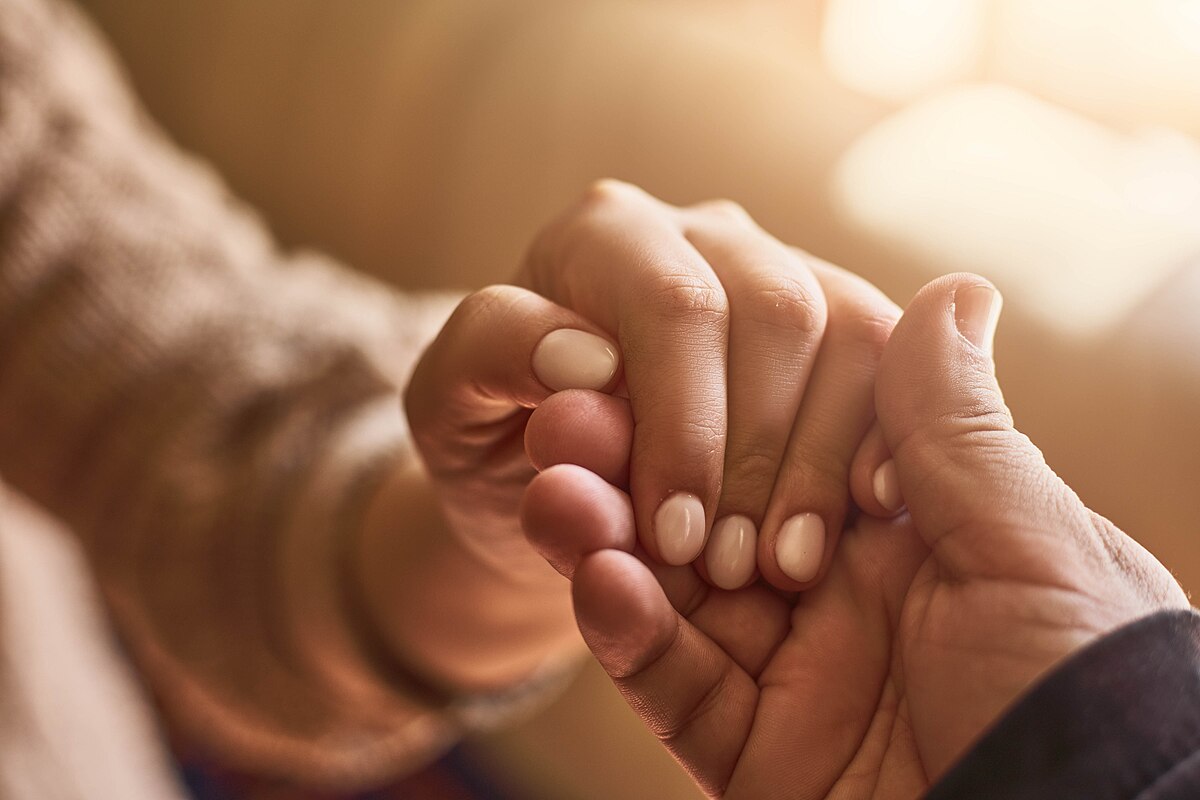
pixel 726 210
pixel 748 480
pixel 788 304
pixel 602 208
pixel 688 296
pixel 977 414
pixel 821 478
pixel 751 466
pixel 975 432
pixel 819 475
pixel 483 307
pixel 607 192
pixel 756 454
pixel 869 329
pixel 480 302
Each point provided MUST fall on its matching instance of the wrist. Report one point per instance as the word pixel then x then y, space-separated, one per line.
pixel 1111 720
pixel 458 615
pixel 312 553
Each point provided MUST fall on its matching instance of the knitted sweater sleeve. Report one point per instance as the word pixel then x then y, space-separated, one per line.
pixel 205 413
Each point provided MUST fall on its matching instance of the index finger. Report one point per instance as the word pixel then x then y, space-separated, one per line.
pixel 621 260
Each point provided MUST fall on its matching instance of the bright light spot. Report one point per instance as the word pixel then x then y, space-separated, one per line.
pixel 1183 17
pixel 897 49
pixel 1126 61
pixel 1159 169
pixel 1076 222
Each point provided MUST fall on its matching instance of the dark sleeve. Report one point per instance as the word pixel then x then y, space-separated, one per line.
pixel 1121 719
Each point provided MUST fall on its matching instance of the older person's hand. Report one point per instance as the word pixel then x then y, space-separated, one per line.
pixel 925 629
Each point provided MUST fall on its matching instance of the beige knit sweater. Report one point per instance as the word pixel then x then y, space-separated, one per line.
pixel 190 403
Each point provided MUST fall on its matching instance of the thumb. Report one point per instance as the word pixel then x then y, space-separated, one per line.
pixel 974 485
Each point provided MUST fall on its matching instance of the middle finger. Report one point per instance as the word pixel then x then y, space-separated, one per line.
pixel 777 321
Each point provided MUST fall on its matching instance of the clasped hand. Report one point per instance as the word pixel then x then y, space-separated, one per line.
pixel 702 402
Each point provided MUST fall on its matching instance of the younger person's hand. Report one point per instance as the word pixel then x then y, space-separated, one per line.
pixel 749 368
pixel 712 329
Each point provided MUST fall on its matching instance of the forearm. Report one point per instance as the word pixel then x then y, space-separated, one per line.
pixel 196 406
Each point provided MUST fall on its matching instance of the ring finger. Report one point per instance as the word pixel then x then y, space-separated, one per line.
pixel 810 496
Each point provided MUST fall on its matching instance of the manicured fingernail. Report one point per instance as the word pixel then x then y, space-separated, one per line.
pixel 800 545
pixel 679 528
pixel 571 359
pixel 976 312
pixel 886 484
pixel 731 552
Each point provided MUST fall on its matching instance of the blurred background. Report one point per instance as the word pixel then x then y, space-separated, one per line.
pixel 1051 145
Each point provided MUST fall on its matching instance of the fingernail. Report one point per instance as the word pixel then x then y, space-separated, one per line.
pixel 886 484
pixel 800 545
pixel 679 528
pixel 731 552
pixel 571 359
pixel 976 313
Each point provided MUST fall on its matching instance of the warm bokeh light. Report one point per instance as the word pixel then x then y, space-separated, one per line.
pixel 896 50
pixel 1070 177
pixel 1052 145
pixel 1123 62
pixel 1078 221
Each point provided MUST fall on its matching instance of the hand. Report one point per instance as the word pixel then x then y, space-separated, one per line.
pixel 926 627
pixel 699 318
pixel 736 420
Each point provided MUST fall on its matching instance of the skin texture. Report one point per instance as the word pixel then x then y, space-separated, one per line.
pixel 926 627
pixel 742 361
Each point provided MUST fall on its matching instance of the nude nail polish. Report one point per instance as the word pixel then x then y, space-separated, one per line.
pixel 679 528
pixel 731 553
pixel 800 546
pixel 886 486
pixel 572 359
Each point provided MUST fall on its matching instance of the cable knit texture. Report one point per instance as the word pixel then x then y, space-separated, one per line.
pixel 191 403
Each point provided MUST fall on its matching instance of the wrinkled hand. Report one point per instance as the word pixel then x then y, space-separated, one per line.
pixel 924 630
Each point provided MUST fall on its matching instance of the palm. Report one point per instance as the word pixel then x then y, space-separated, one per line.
pixel 835 705
pixel 831 717
pixel 859 683
pixel 833 697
